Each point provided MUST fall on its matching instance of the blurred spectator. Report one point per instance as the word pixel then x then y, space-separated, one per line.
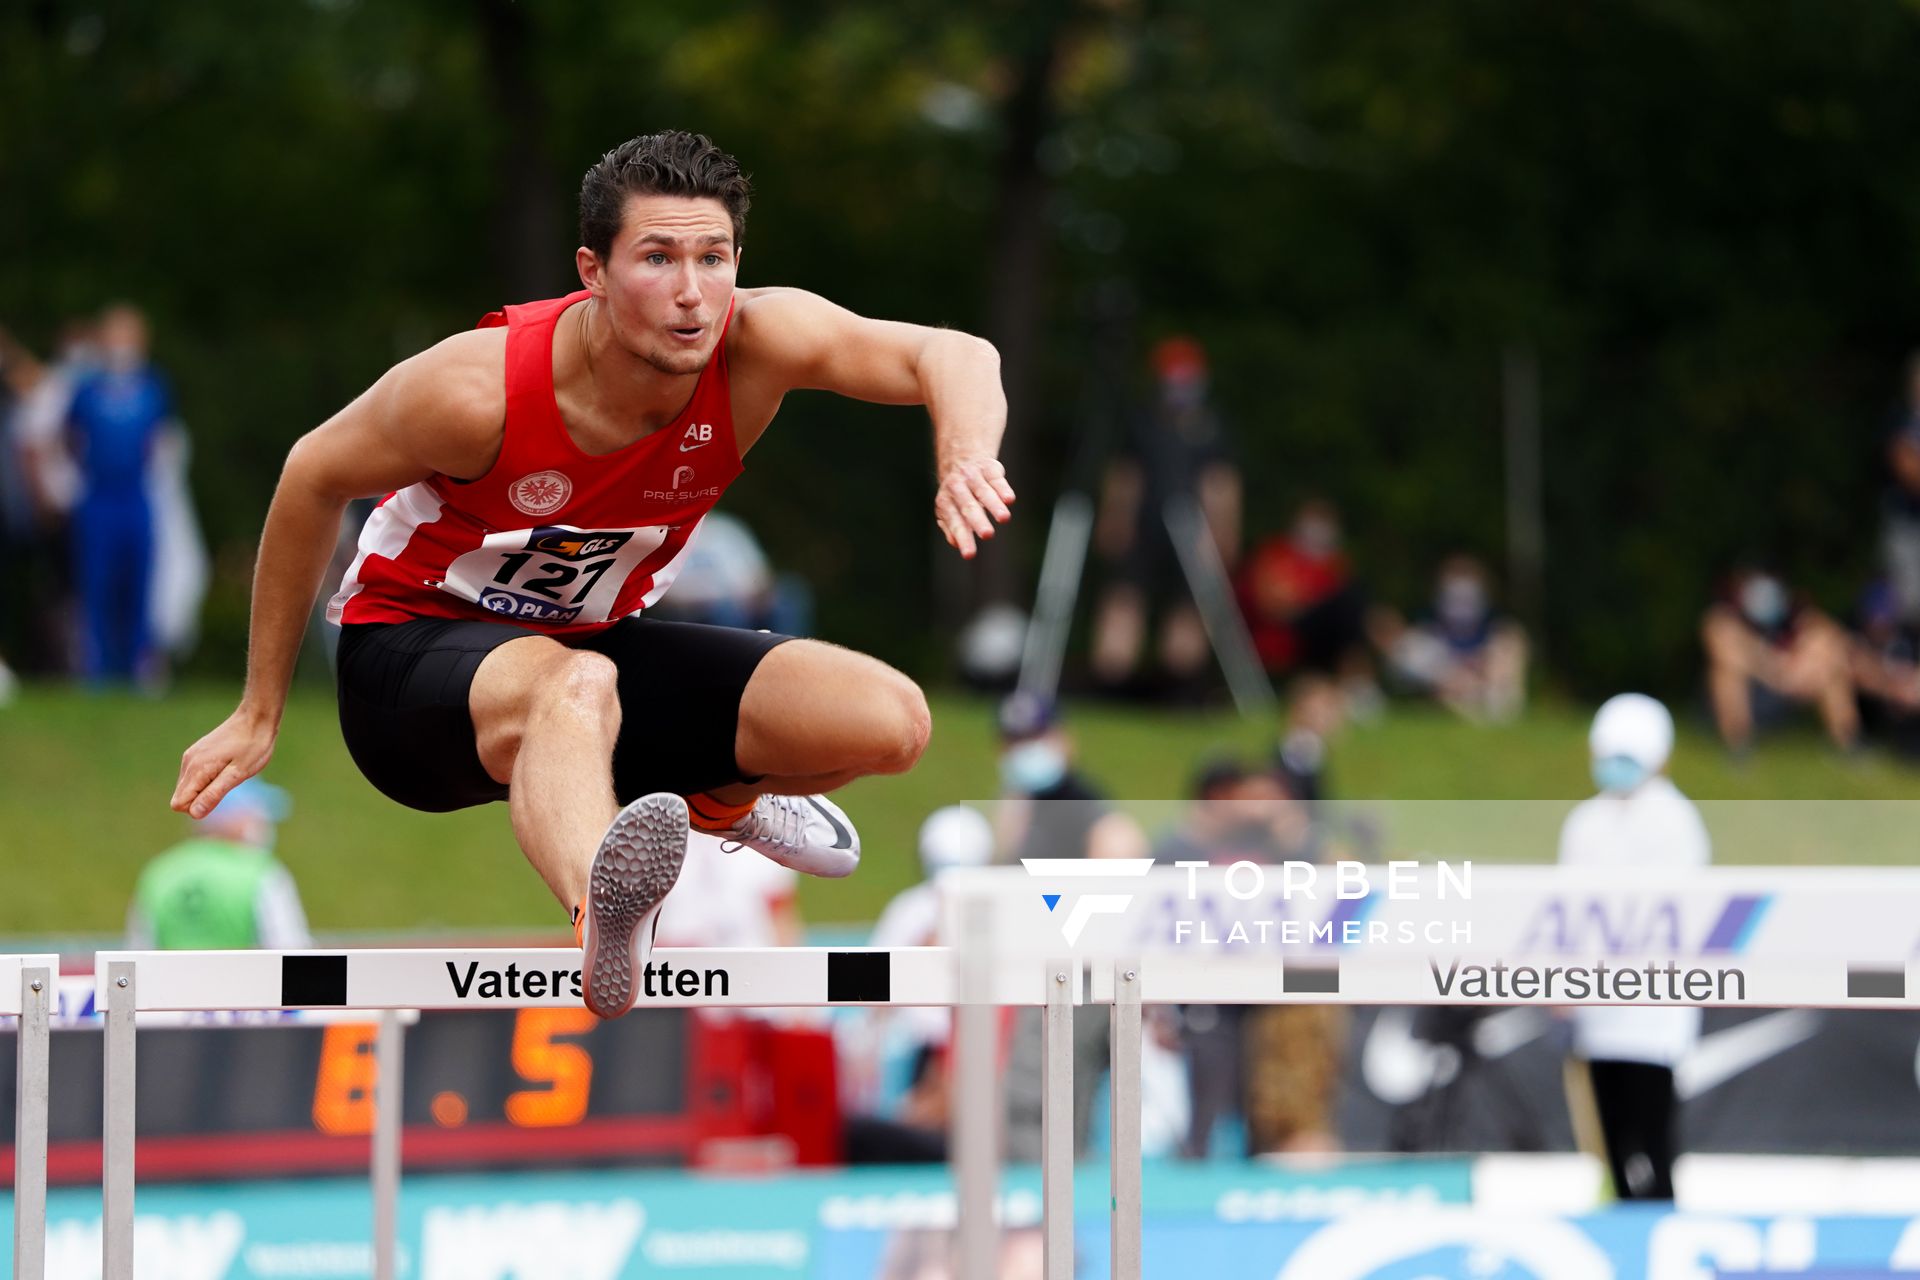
pixel 1638 820
pixel 727 582
pixel 181 566
pixel 1315 712
pixel 1768 648
pixel 914 1128
pixel 1178 449
pixel 222 889
pixel 116 419
pixel 1047 809
pixel 1294 1061
pixel 54 476
pixel 955 836
pixel 725 899
pixel 1237 814
pixel 1304 608
pixel 1885 659
pixel 19 373
pixel 1900 535
pixel 1463 652
pixel 916 1132
pixel 50 483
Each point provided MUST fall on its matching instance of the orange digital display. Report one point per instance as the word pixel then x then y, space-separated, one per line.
pixel 557 1071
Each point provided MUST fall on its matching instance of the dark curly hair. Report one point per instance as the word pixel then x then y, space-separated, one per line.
pixel 671 163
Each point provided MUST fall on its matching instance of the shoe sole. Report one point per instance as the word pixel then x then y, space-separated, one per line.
pixel 635 867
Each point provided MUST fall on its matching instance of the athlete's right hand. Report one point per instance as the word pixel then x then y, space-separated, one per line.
pixel 222 760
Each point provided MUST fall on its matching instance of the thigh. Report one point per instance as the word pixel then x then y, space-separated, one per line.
pixel 816 708
pixel 682 685
pixel 404 708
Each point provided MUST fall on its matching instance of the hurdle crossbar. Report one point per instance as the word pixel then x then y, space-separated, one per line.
pixel 129 983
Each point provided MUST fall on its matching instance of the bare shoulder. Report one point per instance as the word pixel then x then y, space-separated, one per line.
pixel 791 337
pixel 450 402
pixel 458 382
pixel 772 314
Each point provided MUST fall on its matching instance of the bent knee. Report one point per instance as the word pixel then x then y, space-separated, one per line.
pixel 585 685
pixel 902 726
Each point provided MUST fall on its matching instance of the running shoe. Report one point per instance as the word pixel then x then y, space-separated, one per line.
pixel 811 834
pixel 636 865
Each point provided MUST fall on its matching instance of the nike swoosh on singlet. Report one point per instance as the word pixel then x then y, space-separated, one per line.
pixel 842 838
pixel 697 444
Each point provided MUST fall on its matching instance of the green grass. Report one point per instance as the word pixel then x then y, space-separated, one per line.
pixel 86 778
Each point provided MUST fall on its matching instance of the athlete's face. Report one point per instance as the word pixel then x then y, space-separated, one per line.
pixel 668 279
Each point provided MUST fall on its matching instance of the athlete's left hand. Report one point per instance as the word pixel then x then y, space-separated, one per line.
pixel 974 496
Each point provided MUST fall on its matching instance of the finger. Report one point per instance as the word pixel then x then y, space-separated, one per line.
pixel 195 773
pixel 995 472
pixel 959 538
pixel 970 509
pixel 216 791
pixel 984 493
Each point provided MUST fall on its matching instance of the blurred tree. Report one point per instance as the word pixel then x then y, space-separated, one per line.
pixel 1698 215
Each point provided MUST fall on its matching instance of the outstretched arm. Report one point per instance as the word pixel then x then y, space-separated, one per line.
pixel 427 414
pixel 794 340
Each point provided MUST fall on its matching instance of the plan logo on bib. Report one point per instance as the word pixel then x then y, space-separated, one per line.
pixel 1087 905
pixel 540 494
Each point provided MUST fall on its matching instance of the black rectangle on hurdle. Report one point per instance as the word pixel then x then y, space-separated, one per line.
pixel 859 976
pixel 306 981
pixel 1318 979
pixel 1876 984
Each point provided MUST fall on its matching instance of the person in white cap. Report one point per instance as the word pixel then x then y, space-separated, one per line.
pixel 223 889
pixel 955 836
pixel 1640 819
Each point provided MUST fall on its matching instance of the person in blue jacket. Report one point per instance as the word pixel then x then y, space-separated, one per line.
pixel 117 414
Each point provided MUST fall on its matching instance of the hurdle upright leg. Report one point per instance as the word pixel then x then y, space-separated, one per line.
pixel 116 1235
pixel 389 1064
pixel 30 1126
pixel 1056 1119
pixel 1124 1090
pixel 977 1118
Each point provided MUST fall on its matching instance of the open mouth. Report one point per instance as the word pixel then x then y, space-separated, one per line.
pixel 689 334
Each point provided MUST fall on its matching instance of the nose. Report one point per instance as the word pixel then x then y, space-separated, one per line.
pixel 687 287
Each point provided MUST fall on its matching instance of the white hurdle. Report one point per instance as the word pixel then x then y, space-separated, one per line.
pixel 132 983
pixel 27 991
pixel 1758 937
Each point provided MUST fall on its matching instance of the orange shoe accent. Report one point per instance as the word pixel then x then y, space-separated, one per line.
pixel 704 813
pixel 580 924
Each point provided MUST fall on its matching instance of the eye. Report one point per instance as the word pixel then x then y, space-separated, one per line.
pixel 713 259
pixel 657 259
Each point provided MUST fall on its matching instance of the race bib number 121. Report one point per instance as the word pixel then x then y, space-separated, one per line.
pixel 554 574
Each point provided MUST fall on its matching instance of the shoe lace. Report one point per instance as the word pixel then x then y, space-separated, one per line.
pixel 778 820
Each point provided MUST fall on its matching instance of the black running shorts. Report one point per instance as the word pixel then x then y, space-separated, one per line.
pixel 403 704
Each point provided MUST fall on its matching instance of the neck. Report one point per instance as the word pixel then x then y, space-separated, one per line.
pixel 595 367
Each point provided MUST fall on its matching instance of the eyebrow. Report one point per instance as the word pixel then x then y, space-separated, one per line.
pixel 661 237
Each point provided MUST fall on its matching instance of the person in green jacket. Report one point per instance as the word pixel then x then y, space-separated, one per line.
pixel 222 889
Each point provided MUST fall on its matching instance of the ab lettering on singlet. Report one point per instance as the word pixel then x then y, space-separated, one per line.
pixel 552 538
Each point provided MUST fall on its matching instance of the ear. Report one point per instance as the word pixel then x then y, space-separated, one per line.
pixel 587 263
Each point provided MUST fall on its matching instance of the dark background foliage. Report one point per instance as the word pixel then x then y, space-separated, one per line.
pixel 1698 219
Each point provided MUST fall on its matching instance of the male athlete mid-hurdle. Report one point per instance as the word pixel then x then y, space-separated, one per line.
pixel 544 475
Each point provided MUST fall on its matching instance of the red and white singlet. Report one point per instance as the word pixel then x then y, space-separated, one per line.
pixel 552 539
